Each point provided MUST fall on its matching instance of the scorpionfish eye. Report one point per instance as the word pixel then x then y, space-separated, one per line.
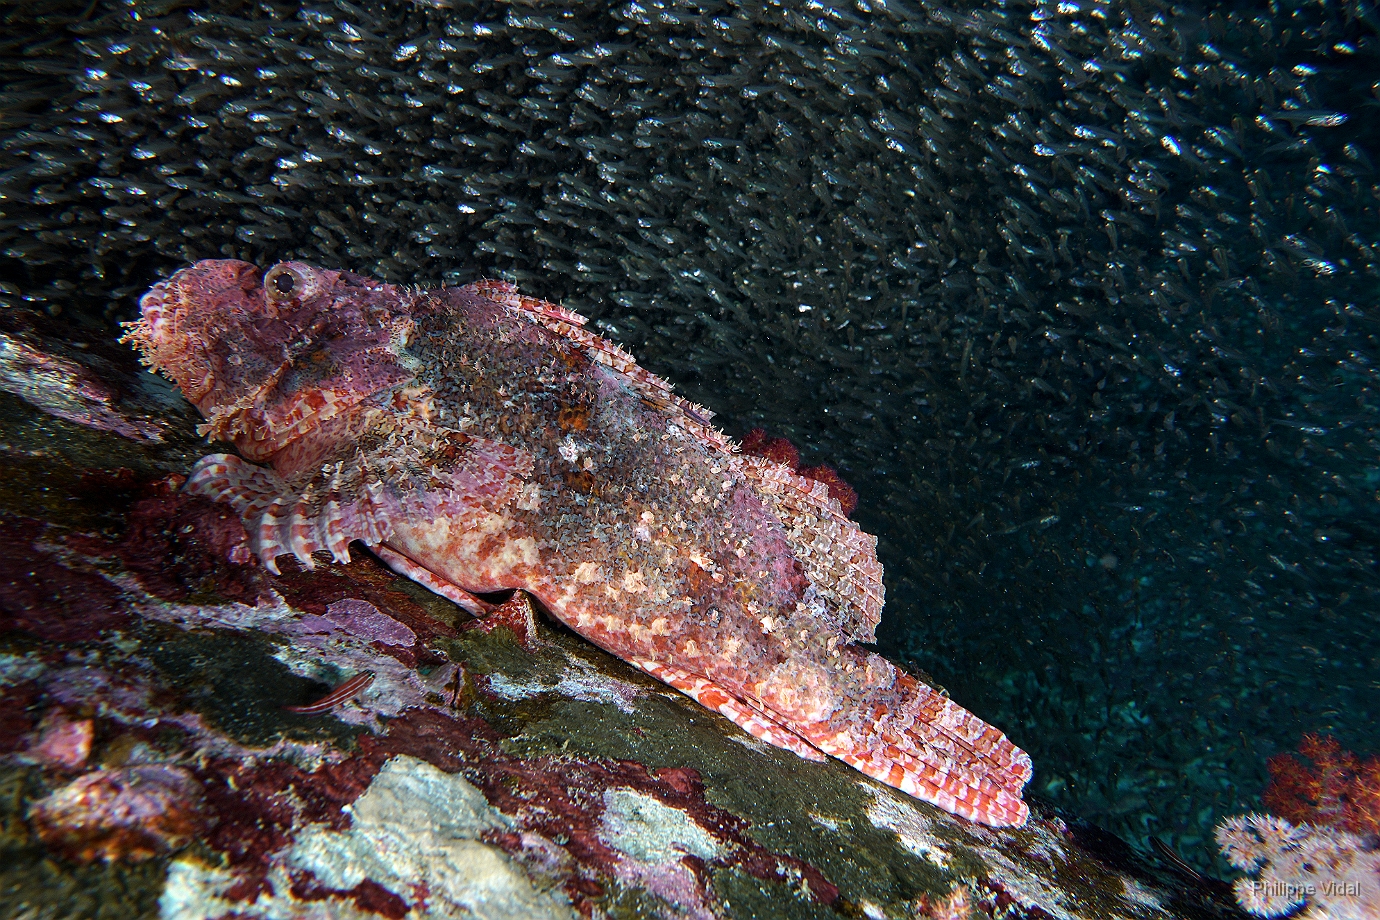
pixel 282 283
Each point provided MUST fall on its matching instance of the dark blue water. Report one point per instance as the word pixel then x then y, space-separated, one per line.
pixel 1080 296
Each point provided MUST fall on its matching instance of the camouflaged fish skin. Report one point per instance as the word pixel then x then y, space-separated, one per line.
pixel 479 440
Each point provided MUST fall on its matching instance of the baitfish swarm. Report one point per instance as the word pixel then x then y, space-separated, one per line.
pixel 1084 289
pixel 479 440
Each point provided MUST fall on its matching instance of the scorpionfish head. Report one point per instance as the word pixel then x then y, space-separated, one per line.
pixel 270 356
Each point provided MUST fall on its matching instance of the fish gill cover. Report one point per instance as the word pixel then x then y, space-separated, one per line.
pixel 1079 296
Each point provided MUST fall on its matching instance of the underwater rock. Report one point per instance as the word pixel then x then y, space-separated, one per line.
pixel 652 842
pixel 130 813
pixel 417 827
pixel 77 378
pixel 64 388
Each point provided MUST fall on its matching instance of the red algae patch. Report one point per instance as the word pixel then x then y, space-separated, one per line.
pixel 840 491
pixel 42 596
pixel 778 450
pixel 177 543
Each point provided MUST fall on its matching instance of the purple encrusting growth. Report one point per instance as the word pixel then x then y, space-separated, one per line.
pixel 63 742
pixel 363 619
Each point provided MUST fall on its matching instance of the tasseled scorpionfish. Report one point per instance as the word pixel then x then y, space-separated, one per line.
pixel 479 440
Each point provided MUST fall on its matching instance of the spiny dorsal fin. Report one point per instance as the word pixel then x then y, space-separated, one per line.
pixel 507 293
pixel 839 558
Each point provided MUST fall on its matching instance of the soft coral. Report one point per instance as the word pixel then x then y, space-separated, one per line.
pixel 1338 788
pixel 779 450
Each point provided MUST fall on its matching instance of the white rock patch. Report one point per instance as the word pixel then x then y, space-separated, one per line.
pixel 646 830
pixel 416 832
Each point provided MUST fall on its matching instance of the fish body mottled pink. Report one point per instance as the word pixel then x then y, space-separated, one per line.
pixel 479 440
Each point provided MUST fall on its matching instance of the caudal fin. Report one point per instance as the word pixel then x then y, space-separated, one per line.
pixel 888 725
